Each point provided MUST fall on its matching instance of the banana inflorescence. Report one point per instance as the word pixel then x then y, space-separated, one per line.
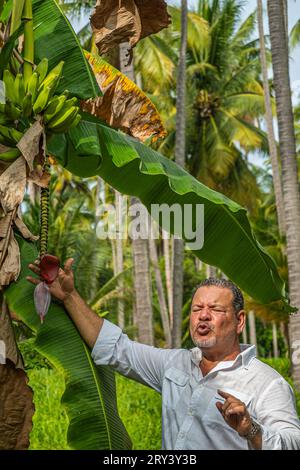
pixel 24 101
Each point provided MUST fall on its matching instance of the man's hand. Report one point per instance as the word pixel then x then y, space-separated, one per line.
pixel 235 413
pixel 63 286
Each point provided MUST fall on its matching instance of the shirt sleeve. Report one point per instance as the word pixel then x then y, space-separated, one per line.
pixel 277 416
pixel 145 364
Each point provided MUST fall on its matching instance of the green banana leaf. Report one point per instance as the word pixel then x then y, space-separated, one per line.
pixel 135 169
pixel 55 39
pixel 90 394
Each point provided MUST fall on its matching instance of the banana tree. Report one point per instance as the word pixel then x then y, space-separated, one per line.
pixel 87 146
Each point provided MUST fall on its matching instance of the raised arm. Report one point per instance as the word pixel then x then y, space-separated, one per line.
pixel 63 288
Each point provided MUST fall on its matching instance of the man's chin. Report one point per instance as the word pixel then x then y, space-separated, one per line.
pixel 205 343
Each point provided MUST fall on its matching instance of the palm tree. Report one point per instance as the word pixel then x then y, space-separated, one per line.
pixel 224 97
pixel 269 122
pixel 178 250
pixel 140 250
pixel 291 197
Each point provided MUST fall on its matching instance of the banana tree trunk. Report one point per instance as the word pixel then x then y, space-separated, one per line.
pixel 291 196
pixel 160 293
pixel 269 122
pixel 275 339
pixel 178 252
pixel 142 279
pixel 16 397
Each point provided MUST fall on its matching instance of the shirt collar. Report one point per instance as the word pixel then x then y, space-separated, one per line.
pixel 247 354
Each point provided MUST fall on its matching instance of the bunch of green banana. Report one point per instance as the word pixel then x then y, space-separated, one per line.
pixel 61 114
pixel 36 97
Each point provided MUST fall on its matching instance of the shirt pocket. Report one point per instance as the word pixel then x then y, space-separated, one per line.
pixel 174 385
pixel 213 415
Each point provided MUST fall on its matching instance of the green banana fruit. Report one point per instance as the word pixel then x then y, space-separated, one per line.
pixel 42 69
pixel 11 134
pixel 42 100
pixel 10 154
pixel 56 104
pixel 32 86
pixel 19 88
pixel 75 122
pixel 53 77
pixel 61 123
pixel 27 104
pixel 12 111
pixel 4 119
pixel 15 135
pixel 9 83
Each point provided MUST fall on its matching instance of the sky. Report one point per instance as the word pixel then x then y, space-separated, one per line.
pixel 293 13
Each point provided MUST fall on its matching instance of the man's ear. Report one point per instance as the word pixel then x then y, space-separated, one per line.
pixel 241 318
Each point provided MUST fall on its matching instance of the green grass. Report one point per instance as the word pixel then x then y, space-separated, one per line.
pixel 139 408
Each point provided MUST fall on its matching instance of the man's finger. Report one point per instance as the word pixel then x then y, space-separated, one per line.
pixel 34 268
pixel 219 405
pixel 235 410
pixel 225 394
pixel 68 266
pixel 33 280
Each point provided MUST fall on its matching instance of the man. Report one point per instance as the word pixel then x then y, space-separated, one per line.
pixel 217 395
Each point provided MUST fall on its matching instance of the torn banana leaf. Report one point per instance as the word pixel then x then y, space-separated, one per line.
pixel 135 169
pixel 117 21
pixel 123 105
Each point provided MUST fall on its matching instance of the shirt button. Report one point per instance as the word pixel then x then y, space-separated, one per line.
pixel 190 412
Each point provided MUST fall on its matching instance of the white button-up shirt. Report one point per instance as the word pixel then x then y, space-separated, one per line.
pixel 190 418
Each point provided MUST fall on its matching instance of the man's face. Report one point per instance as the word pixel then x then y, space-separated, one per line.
pixel 213 321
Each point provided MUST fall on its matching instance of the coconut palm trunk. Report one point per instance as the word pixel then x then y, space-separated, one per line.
pixel 269 123
pixel 168 271
pixel 275 339
pixel 160 292
pixel 178 252
pixel 119 258
pixel 140 249
pixel 252 328
pixel 291 196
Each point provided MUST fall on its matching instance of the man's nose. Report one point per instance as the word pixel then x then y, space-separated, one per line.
pixel 204 313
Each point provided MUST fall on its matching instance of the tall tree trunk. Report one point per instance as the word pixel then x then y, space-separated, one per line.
pixel 160 292
pixel 119 258
pixel 252 328
pixel 275 339
pixel 288 155
pixel 211 271
pixel 178 252
pixel 269 122
pixel 140 248
pixel 168 271
pixel 285 334
pixel 245 339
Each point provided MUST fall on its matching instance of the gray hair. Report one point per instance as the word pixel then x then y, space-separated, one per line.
pixel 238 299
